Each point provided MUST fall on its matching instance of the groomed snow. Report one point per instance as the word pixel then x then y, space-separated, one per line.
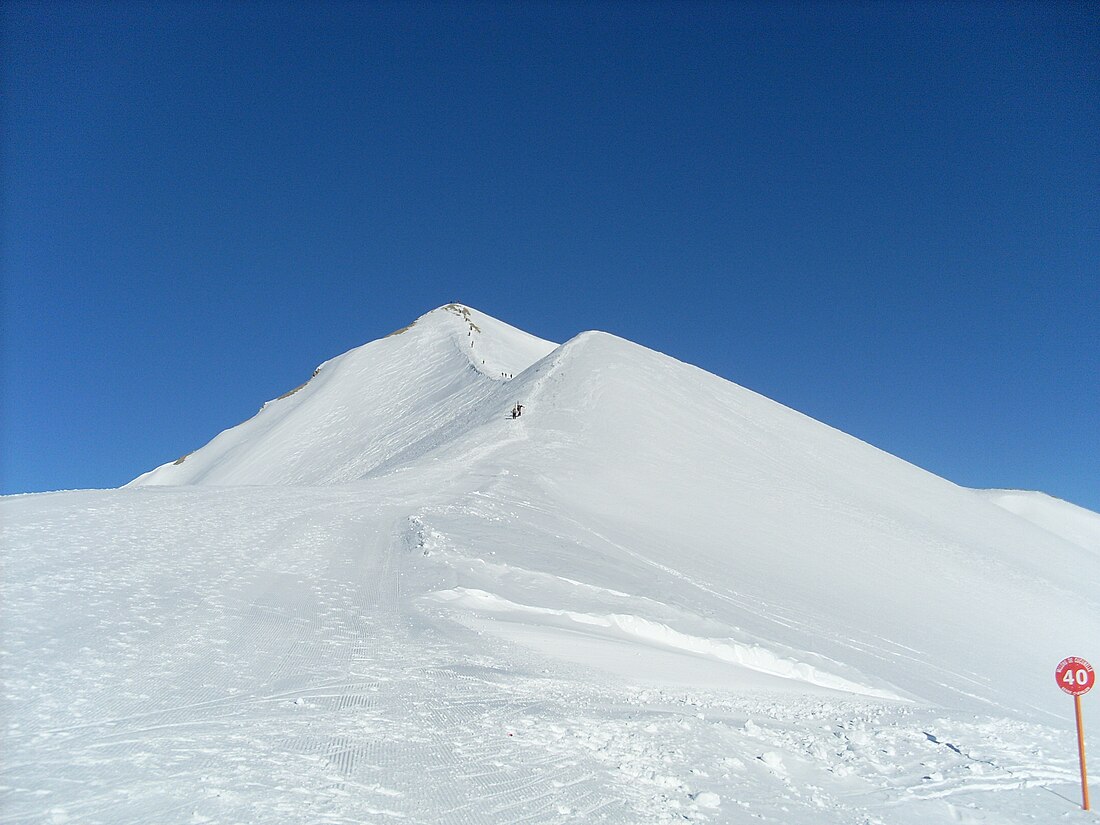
pixel 654 597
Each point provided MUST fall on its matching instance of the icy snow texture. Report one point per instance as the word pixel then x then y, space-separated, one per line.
pixel 656 596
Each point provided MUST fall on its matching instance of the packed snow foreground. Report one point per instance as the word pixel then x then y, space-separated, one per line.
pixel 653 596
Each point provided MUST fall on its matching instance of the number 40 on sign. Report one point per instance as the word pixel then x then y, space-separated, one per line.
pixel 1076 676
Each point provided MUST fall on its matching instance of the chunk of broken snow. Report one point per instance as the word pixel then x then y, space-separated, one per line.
pixel 708 799
pixel 773 760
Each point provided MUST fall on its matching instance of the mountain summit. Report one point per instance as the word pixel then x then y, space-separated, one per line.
pixel 370 408
pixel 467 575
pixel 756 516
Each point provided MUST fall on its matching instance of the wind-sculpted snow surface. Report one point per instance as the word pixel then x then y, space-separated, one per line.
pixel 655 634
pixel 653 597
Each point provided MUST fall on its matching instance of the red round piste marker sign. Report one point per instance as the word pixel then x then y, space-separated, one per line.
pixel 1075 676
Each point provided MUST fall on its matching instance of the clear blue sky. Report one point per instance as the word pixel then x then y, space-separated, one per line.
pixel 885 215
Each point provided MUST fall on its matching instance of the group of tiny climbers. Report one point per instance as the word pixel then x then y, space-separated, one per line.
pixel 517 411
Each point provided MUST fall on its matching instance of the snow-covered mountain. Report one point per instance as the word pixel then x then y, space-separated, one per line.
pixel 376 407
pixel 653 596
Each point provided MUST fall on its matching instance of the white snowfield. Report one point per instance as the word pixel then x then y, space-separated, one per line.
pixel 653 597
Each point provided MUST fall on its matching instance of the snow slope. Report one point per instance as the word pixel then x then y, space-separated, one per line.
pixel 373 407
pixel 654 597
pixel 1073 523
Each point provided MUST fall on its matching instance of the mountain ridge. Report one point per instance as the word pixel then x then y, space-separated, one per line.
pixel 758 510
pixel 428 354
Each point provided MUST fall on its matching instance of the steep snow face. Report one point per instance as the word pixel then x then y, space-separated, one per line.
pixel 372 407
pixel 725 506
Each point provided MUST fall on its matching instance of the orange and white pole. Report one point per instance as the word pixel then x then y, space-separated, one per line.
pixel 1076 677
pixel 1081 753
